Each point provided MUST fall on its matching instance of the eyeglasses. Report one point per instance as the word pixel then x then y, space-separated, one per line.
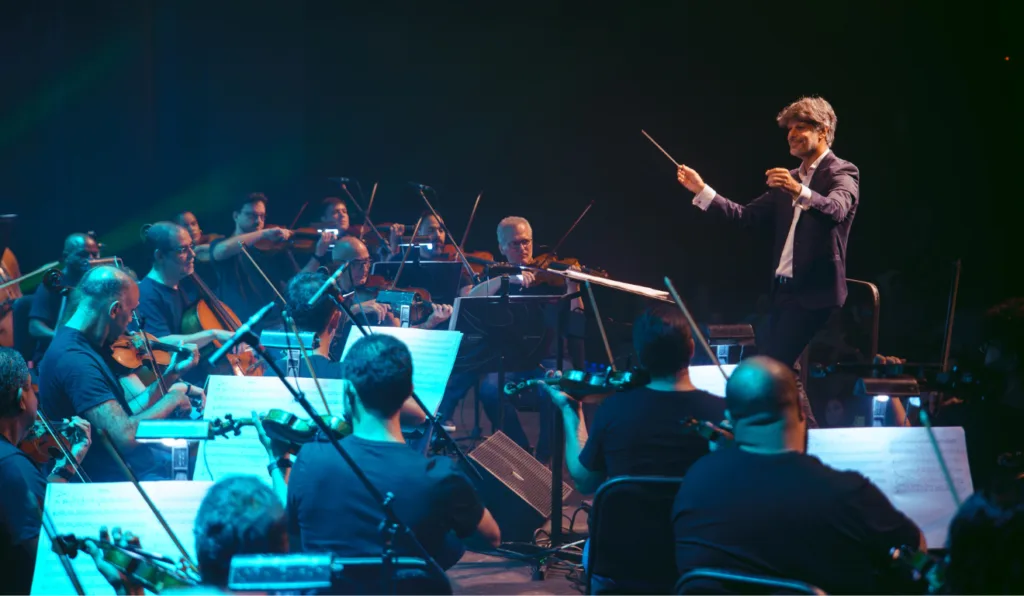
pixel 520 243
pixel 184 250
pixel 359 263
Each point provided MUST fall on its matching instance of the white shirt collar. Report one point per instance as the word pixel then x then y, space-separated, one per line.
pixel 814 165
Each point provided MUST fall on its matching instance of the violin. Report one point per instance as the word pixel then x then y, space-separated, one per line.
pixel 377 288
pixel 711 432
pixel 40 446
pixel 585 386
pixel 553 262
pixel 210 313
pixel 923 567
pixel 301 240
pixel 153 572
pixel 284 427
pixel 478 259
pixel 129 350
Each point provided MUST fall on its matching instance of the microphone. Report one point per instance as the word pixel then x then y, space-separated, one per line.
pixel 243 332
pixel 328 284
pixel 418 186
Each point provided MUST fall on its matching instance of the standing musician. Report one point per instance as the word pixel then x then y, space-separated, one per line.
pixel 46 303
pixel 240 285
pixel 77 377
pixel 812 210
pixel 21 498
pixel 351 250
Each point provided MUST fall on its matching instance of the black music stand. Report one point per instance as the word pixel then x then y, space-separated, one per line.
pixel 440 278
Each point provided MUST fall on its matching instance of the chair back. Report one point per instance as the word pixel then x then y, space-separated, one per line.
pixel 721 581
pixel 631 540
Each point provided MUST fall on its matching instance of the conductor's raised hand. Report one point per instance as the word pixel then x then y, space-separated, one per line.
pixel 689 178
pixel 781 178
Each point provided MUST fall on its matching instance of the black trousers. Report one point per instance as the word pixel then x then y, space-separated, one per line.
pixel 790 328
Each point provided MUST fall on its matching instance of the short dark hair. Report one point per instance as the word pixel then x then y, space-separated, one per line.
pixel 13 374
pixel 300 290
pixel 380 368
pixel 985 542
pixel 331 202
pixel 252 198
pixel 159 236
pixel 662 341
pixel 239 515
pixel 1004 323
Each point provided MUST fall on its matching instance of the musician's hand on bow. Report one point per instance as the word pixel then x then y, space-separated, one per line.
pixel 180 364
pixel 121 582
pixel 196 395
pixel 781 178
pixel 81 447
pixel 276 234
pixel 557 396
pixel 395 237
pixel 177 394
pixel 324 243
pixel 221 335
pixel 525 279
pixel 689 178
pixel 440 314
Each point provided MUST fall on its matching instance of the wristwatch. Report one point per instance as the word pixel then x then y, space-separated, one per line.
pixel 282 464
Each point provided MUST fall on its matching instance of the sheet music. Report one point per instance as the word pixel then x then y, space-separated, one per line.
pixel 902 463
pixel 239 396
pixel 81 509
pixel 709 378
pixel 618 285
pixel 433 357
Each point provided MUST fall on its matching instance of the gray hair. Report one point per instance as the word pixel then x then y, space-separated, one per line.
pixel 511 222
pixel 813 110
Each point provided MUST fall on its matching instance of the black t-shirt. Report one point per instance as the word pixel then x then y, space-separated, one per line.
pixel 642 433
pixel 332 511
pixel 73 378
pixel 243 289
pixel 46 308
pixel 790 516
pixel 22 488
pixel 162 308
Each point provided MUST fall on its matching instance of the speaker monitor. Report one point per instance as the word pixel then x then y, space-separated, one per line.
pixel 516 488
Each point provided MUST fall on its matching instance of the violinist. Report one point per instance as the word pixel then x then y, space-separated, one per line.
pixel 431 231
pixel 768 508
pixel 46 303
pixel 21 498
pixel 204 262
pixel 328 507
pixel 240 285
pixel 335 213
pixel 77 378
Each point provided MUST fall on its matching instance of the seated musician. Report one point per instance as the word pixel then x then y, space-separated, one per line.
pixel 330 510
pixel 46 304
pixel 240 515
pixel 77 378
pixel 766 507
pixel 335 213
pixel 240 284
pixel 204 265
pixel 431 232
pixel 515 241
pixel 21 498
pixel 351 251
pixel 985 541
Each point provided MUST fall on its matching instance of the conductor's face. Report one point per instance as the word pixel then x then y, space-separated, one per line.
pixel 804 139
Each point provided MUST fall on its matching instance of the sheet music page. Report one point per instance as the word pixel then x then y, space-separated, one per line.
pixel 81 509
pixel 902 463
pixel 239 396
pixel 709 378
pixel 433 357
pixel 619 285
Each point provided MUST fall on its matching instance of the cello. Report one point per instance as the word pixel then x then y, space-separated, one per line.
pixel 210 313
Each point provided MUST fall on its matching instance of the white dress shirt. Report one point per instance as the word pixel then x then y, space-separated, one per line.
pixel 800 204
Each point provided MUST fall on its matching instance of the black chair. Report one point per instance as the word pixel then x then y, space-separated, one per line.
pixel 24 343
pixel 632 547
pixel 720 581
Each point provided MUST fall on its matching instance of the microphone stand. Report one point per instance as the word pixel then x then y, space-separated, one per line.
pixel 391 526
pixel 366 218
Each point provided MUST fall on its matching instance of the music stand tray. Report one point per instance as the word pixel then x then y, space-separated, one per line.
pixel 440 278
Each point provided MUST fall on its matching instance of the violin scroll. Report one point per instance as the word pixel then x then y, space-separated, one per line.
pixel 122 561
pixel 579 384
pixel 282 426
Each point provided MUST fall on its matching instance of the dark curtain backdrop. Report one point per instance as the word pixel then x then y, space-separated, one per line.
pixel 119 113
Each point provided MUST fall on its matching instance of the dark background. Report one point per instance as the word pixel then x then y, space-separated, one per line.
pixel 117 114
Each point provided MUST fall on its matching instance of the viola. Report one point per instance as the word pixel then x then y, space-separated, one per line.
pixel 210 313
pixel 40 446
pixel 586 386
pixel 153 572
pixel 284 427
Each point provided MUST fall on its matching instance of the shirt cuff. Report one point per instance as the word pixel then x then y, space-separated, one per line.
pixel 804 199
pixel 704 197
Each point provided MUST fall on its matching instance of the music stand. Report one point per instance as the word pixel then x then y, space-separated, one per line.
pixel 440 278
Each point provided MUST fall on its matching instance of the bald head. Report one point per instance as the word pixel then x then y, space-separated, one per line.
pixel 78 249
pixel 349 248
pixel 108 295
pixel 104 285
pixel 762 391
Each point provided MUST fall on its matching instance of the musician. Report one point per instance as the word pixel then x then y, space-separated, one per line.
pixel 812 209
pixel 351 251
pixel 77 377
pixel 766 507
pixel 336 213
pixel 24 486
pixel 431 231
pixel 985 541
pixel 240 515
pixel 240 285
pixel 203 265
pixel 46 304
pixel 330 510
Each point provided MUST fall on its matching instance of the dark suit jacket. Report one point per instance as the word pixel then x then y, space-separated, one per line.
pixel 819 246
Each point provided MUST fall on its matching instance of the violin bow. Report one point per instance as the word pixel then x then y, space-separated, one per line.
pixel 926 421
pixel 405 254
pixel 127 469
pixel 57 545
pixel 18 280
pixel 294 328
pixel 693 325
pixel 469 224
pixel 162 383
pixel 366 215
pixel 447 234
pixel 295 221
pixel 561 241
pixel 40 415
